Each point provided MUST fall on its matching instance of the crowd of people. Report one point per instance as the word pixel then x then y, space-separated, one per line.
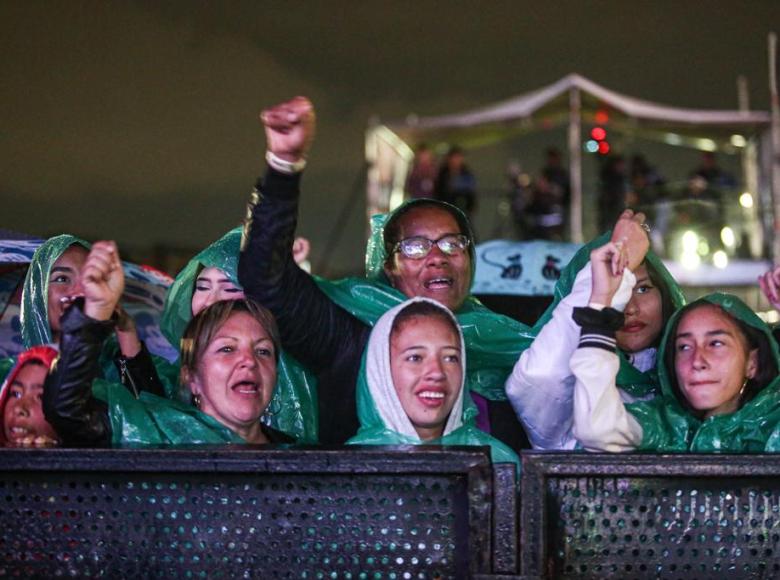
pixel 404 355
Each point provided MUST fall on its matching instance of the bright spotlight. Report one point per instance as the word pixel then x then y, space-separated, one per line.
pixel 720 259
pixel 690 261
pixel 727 237
pixel 738 141
pixel 690 241
pixel 746 200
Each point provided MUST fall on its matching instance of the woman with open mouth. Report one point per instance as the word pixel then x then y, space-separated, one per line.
pixel 718 372
pixel 228 372
pixel 411 386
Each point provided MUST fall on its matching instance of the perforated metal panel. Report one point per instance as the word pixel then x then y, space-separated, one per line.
pixel 662 517
pixel 287 519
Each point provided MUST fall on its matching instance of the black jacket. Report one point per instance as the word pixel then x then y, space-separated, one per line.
pixel 68 405
pixel 324 337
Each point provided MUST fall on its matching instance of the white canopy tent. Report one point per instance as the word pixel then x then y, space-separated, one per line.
pixel 572 101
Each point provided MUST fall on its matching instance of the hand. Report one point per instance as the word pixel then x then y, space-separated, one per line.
pixel 770 286
pixel 628 229
pixel 103 280
pixel 289 128
pixel 607 263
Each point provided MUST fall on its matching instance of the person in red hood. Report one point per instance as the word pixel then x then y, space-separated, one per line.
pixel 22 422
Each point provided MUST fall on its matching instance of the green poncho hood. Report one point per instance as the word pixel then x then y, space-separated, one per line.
pixel 629 378
pixel 493 341
pixel 668 426
pixel 34 315
pixel 383 420
pixel 293 408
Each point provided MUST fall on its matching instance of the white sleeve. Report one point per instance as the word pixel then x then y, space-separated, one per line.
pixel 541 386
pixel 601 421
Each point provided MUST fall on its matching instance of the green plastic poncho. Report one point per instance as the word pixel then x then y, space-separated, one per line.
pixel 383 420
pixel 631 380
pixel 493 341
pixel 667 426
pixel 153 420
pixel 293 408
pixel 34 315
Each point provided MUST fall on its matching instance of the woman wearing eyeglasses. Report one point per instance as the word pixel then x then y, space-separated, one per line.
pixel 424 248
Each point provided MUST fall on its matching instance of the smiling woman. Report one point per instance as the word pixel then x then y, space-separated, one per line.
pixel 411 386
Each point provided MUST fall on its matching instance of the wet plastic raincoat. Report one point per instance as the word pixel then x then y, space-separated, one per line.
pixel 493 341
pixel 34 314
pixel 668 426
pixel 293 409
pixel 629 379
pixel 382 418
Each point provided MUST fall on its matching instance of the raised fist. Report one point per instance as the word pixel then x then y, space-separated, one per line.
pixel 103 280
pixel 632 232
pixel 289 128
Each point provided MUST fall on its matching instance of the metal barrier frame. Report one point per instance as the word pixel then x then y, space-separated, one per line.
pixel 540 467
pixel 491 523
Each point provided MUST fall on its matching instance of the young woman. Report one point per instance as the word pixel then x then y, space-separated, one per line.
pixel 411 387
pixel 229 354
pixel 22 422
pixel 717 370
pixel 541 386
pixel 52 284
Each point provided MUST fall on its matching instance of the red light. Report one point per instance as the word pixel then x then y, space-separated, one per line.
pixel 603 148
pixel 602 117
pixel 598 134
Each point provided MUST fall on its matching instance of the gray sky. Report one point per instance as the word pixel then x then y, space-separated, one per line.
pixel 138 120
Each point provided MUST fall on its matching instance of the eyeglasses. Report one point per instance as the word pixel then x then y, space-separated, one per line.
pixel 418 247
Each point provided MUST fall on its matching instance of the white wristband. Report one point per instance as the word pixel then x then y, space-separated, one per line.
pixel 283 166
pixel 596 305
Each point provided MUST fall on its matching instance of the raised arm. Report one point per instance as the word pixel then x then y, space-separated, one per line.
pixel 68 404
pixel 541 386
pixel 313 329
pixel 601 421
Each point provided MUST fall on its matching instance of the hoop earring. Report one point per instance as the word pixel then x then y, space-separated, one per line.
pixel 744 384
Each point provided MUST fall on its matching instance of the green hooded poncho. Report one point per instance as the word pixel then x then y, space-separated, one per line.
pixel 493 341
pixel 293 408
pixel 631 380
pixel 667 426
pixel 34 315
pixel 383 420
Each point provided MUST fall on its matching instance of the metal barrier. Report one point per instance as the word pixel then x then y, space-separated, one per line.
pixel 650 516
pixel 356 512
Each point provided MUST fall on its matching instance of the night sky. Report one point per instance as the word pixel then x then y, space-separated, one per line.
pixel 138 120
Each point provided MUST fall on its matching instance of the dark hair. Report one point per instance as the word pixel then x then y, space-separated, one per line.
pixel 766 370
pixel 392 231
pixel 426 309
pixel 203 326
pixel 667 303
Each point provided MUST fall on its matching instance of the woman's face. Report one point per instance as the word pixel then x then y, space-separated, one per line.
pixel 23 419
pixel 213 285
pixel 425 363
pixel 712 360
pixel 64 284
pixel 236 375
pixel 644 315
